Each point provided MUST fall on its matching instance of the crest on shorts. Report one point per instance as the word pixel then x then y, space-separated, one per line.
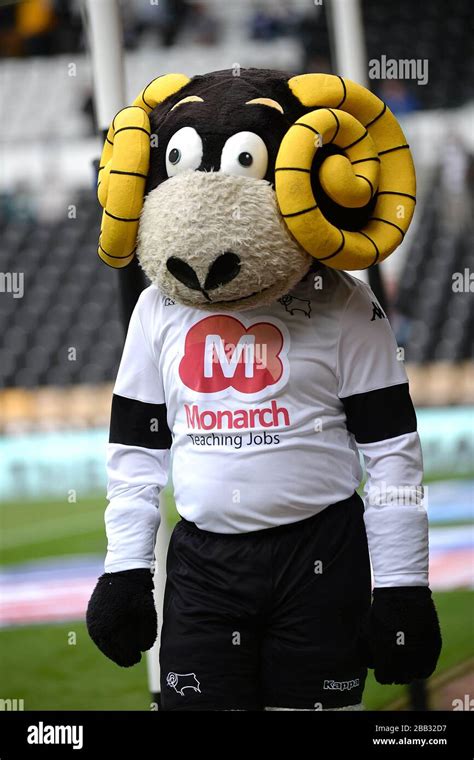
pixel 181 681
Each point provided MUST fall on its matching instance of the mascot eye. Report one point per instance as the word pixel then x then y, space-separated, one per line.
pixel 246 159
pixel 184 151
pixel 245 154
pixel 174 156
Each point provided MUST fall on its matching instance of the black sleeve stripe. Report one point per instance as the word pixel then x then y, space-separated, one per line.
pixel 381 414
pixel 135 423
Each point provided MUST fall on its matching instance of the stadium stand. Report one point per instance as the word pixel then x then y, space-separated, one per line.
pixel 72 301
pixel 67 331
pixel 441 318
pixel 66 334
pixel 443 39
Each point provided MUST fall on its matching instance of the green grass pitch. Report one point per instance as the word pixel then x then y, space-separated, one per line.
pixel 51 669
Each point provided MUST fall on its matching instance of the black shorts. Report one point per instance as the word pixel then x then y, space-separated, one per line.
pixel 267 619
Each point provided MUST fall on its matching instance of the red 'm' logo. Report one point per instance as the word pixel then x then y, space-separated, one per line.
pixel 220 352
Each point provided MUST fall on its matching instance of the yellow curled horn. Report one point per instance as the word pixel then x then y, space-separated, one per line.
pixel 374 164
pixel 123 171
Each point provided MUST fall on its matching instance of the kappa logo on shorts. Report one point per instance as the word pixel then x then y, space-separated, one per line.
pixel 341 685
pixel 181 681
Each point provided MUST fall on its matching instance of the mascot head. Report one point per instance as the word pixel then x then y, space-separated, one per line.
pixel 228 187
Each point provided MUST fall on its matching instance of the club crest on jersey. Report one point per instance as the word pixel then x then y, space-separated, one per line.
pixel 224 356
pixel 181 681
pixel 293 304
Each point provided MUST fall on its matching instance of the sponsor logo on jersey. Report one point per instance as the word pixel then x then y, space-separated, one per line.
pixel 224 356
pixel 270 416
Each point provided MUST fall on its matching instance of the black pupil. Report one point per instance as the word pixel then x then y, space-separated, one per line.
pixel 174 156
pixel 245 159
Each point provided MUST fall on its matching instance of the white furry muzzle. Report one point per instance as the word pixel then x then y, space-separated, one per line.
pixel 197 217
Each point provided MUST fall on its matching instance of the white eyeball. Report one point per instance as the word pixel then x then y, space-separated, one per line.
pixel 245 154
pixel 184 151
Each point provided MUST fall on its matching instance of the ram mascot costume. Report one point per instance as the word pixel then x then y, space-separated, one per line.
pixel 262 371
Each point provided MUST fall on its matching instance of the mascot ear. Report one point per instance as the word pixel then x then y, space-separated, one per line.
pixel 123 171
pixel 368 166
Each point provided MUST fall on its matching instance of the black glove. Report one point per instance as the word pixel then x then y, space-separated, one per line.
pixel 403 634
pixel 121 616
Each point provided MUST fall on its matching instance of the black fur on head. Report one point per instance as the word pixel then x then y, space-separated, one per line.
pixel 224 113
pixel 211 233
pixel 248 175
pixel 212 237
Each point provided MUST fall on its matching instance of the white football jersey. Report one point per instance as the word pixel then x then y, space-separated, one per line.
pixel 264 413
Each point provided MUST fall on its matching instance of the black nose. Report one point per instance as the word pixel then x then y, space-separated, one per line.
pixel 222 270
pixel 183 272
